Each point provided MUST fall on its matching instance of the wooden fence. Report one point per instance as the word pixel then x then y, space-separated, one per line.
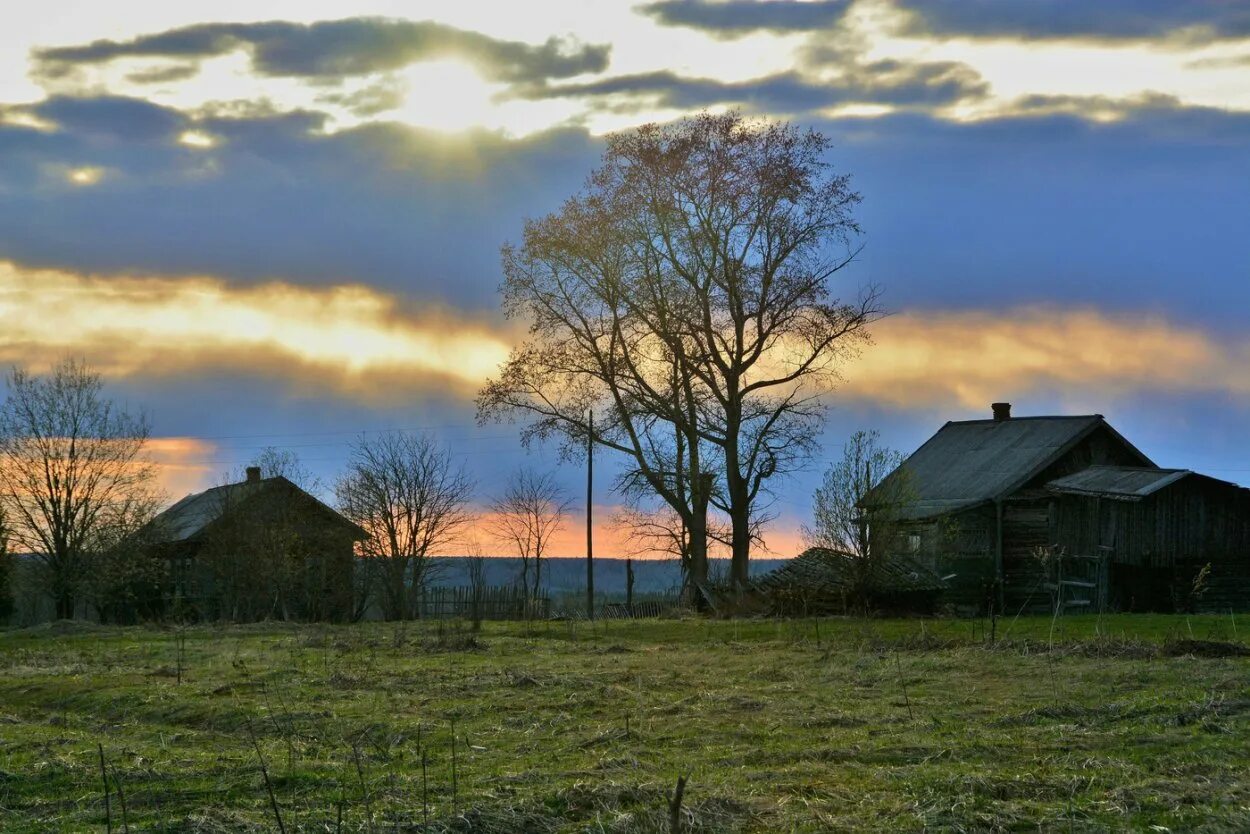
pixel 503 602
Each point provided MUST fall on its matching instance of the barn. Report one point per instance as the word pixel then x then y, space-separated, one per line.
pixel 259 548
pixel 1022 513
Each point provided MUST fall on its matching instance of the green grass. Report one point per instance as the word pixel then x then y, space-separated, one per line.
pixel 1084 724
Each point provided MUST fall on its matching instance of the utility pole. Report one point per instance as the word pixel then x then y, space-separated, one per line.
pixel 590 534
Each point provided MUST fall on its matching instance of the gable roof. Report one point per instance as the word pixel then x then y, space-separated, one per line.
pixel 970 462
pixel 1129 483
pixel 188 518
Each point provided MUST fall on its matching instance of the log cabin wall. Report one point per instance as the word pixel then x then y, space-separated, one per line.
pixel 1026 531
pixel 1158 543
pixel 960 548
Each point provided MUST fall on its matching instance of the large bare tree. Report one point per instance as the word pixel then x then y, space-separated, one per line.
pixel 72 471
pixel 526 517
pixel 412 498
pixel 686 293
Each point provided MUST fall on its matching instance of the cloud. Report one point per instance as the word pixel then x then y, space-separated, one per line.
pixel 1045 204
pixel 370 100
pixel 164 74
pixel 110 120
pixel 182 464
pixel 333 50
pixel 357 342
pixel 971 358
pixel 893 83
pixel 269 194
pixel 736 18
pixel 1105 20
pixel 1193 21
pixel 349 339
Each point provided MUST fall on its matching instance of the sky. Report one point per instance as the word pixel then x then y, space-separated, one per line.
pixel 278 223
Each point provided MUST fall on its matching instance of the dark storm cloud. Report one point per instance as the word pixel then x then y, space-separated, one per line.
pixel 1045 206
pixel 336 49
pixel 1137 213
pixel 736 18
pixel 1190 20
pixel 111 119
pixel 277 197
pixel 882 82
pixel 1187 20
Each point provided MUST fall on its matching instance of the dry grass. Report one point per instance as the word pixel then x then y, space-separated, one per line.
pixel 1106 724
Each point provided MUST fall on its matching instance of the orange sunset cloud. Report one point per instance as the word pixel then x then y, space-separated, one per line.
pixel 353 337
pixel 356 341
pixel 970 358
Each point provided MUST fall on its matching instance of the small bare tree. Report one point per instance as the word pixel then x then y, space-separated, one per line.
pixel 6 572
pixel 859 505
pixel 282 463
pixel 406 491
pixel 126 579
pixel 475 572
pixel 72 467
pixel 526 518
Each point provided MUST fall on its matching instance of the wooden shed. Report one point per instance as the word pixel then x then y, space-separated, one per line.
pixel 1018 512
pixel 258 548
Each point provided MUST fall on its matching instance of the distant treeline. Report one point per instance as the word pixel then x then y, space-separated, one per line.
pixel 563 575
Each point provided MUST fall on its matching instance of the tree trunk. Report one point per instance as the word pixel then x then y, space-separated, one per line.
pixel 740 521
pixel 739 565
pixel 697 564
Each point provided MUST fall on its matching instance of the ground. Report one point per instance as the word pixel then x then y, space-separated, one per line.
pixel 1081 724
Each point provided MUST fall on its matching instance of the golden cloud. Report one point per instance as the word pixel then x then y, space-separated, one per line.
pixel 972 358
pixel 348 338
pixel 181 464
pixel 357 341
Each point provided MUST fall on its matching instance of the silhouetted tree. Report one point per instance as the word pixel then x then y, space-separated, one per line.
pixel 859 507
pixel 72 472
pixel 685 293
pixel 6 573
pixel 126 576
pixel 526 517
pixel 411 497
pixel 475 572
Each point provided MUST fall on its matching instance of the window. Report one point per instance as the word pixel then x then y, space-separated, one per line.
pixel 913 543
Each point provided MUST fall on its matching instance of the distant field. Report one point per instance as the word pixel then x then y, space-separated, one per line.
pixel 1115 723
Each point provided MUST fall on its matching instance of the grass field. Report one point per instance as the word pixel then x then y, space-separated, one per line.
pixel 1114 723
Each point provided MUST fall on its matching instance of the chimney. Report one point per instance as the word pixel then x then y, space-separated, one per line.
pixel 1002 411
pixel 253 474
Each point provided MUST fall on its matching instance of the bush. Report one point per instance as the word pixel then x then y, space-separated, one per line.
pixel 6 585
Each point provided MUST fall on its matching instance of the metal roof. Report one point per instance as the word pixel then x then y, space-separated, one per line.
pixel 968 463
pixel 190 516
pixel 820 569
pixel 1125 482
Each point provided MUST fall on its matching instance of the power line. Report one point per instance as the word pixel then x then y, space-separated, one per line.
pixel 339 442
pixel 469 426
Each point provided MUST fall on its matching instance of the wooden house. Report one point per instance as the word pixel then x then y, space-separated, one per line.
pixel 260 548
pixel 1024 512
